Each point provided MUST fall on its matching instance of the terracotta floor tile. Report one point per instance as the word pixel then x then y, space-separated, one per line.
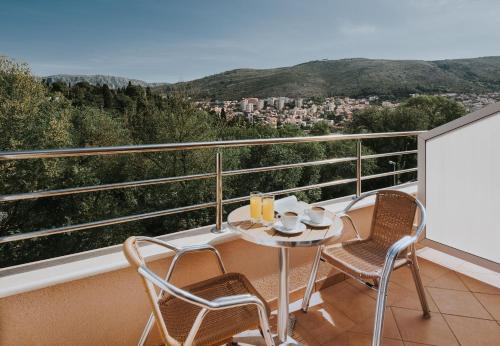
pixel 303 336
pixel 408 298
pixel 477 286
pixel 449 281
pixel 337 287
pixel 419 245
pixel 390 327
pixel 327 276
pixel 431 269
pixel 356 305
pixel 473 331
pixel 356 339
pixel 432 331
pixel 458 303
pixel 397 296
pixel 323 322
pixel 408 343
pixel 404 277
pixel 491 302
pixel 361 287
pixel 315 300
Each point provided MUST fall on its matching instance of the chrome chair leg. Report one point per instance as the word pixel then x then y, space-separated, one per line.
pixel 380 311
pixel 265 329
pixel 312 280
pixel 147 330
pixel 418 284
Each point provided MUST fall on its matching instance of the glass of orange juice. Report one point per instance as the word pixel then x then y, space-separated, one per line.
pixel 255 206
pixel 268 209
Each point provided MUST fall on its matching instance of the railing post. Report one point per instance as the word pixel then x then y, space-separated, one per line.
pixel 218 193
pixel 358 167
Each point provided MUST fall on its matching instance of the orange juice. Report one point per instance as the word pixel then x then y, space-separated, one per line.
pixel 268 209
pixel 255 206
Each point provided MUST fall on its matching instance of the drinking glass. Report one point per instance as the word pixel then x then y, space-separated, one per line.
pixel 255 206
pixel 268 209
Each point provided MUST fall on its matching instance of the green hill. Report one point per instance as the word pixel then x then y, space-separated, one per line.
pixel 350 77
pixel 113 82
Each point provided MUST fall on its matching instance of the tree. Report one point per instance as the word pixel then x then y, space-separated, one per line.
pixel 418 113
pixel 107 97
pixel 29 119
pixel 59 86
pixel 320 128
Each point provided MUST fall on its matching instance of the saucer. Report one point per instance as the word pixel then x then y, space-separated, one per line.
pixel 327 222
pixel 278 226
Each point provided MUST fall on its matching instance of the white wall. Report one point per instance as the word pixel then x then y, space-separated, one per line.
pixel 463 188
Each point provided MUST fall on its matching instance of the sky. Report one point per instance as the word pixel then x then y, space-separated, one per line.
pixel 171 41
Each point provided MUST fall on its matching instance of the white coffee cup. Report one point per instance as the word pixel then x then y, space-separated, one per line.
pixel 316 214
pixel 289 219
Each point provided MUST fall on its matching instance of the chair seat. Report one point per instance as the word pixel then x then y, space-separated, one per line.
pixel 219 325
pixel 362 259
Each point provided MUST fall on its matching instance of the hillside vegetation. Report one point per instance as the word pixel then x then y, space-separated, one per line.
pixel 350 77
pixel 112 82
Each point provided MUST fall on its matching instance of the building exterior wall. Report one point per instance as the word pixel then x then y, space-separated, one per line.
pixel 462 192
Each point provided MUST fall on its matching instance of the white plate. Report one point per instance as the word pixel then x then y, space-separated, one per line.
pixel 280 228
pixel 327 222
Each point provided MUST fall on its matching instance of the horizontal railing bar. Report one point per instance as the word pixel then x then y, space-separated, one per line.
pixel 287 166
pixel 104 187
pixel 132 184
pixel 126 219
pixel 374 176
pixel 103 223
pixel 295 189
pixel 395 153
pixel 71 152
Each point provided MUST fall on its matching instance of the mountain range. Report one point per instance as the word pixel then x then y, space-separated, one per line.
pixel 346 77
pixel 113 82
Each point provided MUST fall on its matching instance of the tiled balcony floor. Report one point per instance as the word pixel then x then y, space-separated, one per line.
pixel 464 311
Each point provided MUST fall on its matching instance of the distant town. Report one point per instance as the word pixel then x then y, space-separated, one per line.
pixel 305 112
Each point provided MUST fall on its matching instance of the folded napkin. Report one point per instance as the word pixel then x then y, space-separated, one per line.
pixel 290 204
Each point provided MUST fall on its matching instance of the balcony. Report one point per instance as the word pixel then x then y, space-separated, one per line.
pixel 95 298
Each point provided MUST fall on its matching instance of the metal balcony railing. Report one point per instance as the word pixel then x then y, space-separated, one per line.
pixel 218 175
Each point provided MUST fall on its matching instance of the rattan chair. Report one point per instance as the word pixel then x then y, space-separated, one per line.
pixel 390 245
pixel 209 312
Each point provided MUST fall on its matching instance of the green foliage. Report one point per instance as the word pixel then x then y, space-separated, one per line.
pixel 418 113
pixel 320 128
pixel 36 116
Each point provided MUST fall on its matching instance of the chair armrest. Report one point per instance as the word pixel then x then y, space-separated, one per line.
pixel 400 245
pixel 173 290
pixel 195 248
pixel 394 251
pixel 236 300
pixel 344 215
pixel 358 199
pixel 181 251
pixel 218 303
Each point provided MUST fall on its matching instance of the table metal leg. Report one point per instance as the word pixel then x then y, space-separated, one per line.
pixel 283 296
